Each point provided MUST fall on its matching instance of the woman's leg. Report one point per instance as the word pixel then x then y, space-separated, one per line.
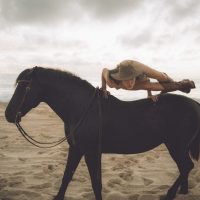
pixel 183 86
pixel 165 78
pixel 152 73
pixel 148 86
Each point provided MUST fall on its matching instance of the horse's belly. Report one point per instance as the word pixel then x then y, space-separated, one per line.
pixel 125 150
pixel 130 143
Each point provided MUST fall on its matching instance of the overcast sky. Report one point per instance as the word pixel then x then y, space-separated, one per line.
pixel 83 36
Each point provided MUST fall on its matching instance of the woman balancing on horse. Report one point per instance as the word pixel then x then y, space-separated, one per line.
pixel 133 75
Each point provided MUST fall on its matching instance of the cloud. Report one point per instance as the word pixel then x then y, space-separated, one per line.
pixel 137 41
pixel 37 11
pixel 110 9
pixel 58 11
pixel 90 33
pixel 180 10
pixel 168 24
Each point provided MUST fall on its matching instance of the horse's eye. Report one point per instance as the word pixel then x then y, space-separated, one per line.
pixel 19 83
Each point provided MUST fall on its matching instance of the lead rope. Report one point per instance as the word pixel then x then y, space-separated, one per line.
pixel 31 140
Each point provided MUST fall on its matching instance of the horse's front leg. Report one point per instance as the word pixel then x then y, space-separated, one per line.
pixel 74 157
pixel 93 162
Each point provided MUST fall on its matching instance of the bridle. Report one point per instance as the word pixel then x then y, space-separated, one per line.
pixel 70 135
pixel 18 119
pixel 28 88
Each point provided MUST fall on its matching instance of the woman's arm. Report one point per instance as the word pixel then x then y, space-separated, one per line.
pixel 142 84
pixel 105 80
pixel 146 81
pixel 146 85
pixel 104 77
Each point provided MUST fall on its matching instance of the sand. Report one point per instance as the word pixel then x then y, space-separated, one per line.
pixel 30 173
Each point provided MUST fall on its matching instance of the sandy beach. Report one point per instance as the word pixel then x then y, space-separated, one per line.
pixel 31 173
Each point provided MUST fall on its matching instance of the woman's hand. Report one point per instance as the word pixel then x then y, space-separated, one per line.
pixel 105 93
pixel 154 98
pixel 106 81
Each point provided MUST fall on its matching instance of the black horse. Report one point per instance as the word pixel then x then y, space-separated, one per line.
pixel 118 127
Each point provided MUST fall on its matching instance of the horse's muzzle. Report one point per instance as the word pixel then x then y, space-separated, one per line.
pixel 11 117
pixel 18 117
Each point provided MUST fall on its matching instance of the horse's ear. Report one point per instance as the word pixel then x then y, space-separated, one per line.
pixel 31 73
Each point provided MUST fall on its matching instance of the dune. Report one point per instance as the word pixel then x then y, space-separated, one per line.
pixel 30 173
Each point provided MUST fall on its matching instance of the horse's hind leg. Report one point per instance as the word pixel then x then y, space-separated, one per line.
pixel 186 168
pixel 185 165
pixel 74 157
pixel 93 162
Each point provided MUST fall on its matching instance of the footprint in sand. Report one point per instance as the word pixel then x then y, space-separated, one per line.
pixel 115 182
pixel 80 179
pixel 116 196
pixel 126 176
pixel 170 174
pixel 163 187
pixel 88 195
pixel 113 158
pixel 14 181
pixel 3 183
pixel 3 137
pixel 150 159
pixel 192 184
pixel 19 173
pixel 134 160
pixel 133 197
pixel 197 179
pixel 51 167
pixel 119 166
pixel 147 181
pixel 39 175
pixel 149 197
pixel 63 154
pixel 41 186
pixel 22 159
pixel 17 194
pixel 41 152
pixel 128 163
pixel 2 155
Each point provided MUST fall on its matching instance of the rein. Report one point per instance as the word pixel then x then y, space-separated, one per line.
pixel 20 128
pixel 52 144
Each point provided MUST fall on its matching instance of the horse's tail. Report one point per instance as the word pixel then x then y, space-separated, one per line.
pixel 195 146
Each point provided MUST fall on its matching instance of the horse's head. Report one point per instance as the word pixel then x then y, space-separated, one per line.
pixel 26 96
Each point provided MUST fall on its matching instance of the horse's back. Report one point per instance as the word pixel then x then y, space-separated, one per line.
pixel 138 126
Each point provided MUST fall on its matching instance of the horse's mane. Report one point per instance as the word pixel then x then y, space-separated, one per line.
pixel 57 74
pixel 22 75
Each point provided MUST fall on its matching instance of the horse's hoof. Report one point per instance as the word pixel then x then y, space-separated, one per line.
pixel 183 191
pixel 169 196
pixel 162 197
pixel 58 198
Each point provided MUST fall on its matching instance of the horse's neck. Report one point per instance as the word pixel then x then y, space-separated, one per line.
pixel 68 102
